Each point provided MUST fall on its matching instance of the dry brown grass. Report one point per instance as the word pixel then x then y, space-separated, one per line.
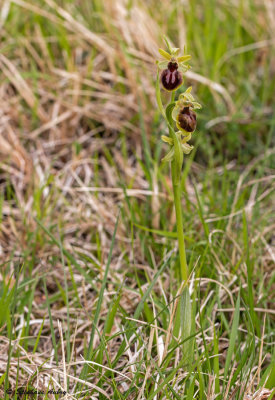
pixel 76 187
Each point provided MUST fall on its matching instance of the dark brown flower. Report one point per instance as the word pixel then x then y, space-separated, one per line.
pixel 187 119
pixel 171 77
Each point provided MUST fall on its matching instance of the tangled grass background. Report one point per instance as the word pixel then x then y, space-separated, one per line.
pixel 79 141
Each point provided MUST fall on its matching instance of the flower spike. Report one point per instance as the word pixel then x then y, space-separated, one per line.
pixel 182 111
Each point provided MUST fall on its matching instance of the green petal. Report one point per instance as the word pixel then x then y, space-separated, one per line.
pixel 183 59
pixel 175 51
pixel 164 54
pixel 189 97
pixel 196 105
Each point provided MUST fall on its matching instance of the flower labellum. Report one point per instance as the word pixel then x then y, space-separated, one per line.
pixel 187 119
pixel 171 77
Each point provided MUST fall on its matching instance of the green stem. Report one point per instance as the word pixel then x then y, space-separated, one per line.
pixel 176 166
pixel 173 95
pixel 177 203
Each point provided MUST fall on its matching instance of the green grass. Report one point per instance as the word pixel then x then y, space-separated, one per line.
pixel 86 206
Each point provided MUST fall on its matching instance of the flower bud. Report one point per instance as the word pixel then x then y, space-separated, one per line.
pixel 171 77
pixel 187 119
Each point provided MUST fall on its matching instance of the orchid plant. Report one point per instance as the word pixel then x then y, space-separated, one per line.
pixel 181 120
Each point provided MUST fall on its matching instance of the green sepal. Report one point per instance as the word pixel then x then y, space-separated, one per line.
pixel 175 51
pixel 167 42
pixel 167 139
